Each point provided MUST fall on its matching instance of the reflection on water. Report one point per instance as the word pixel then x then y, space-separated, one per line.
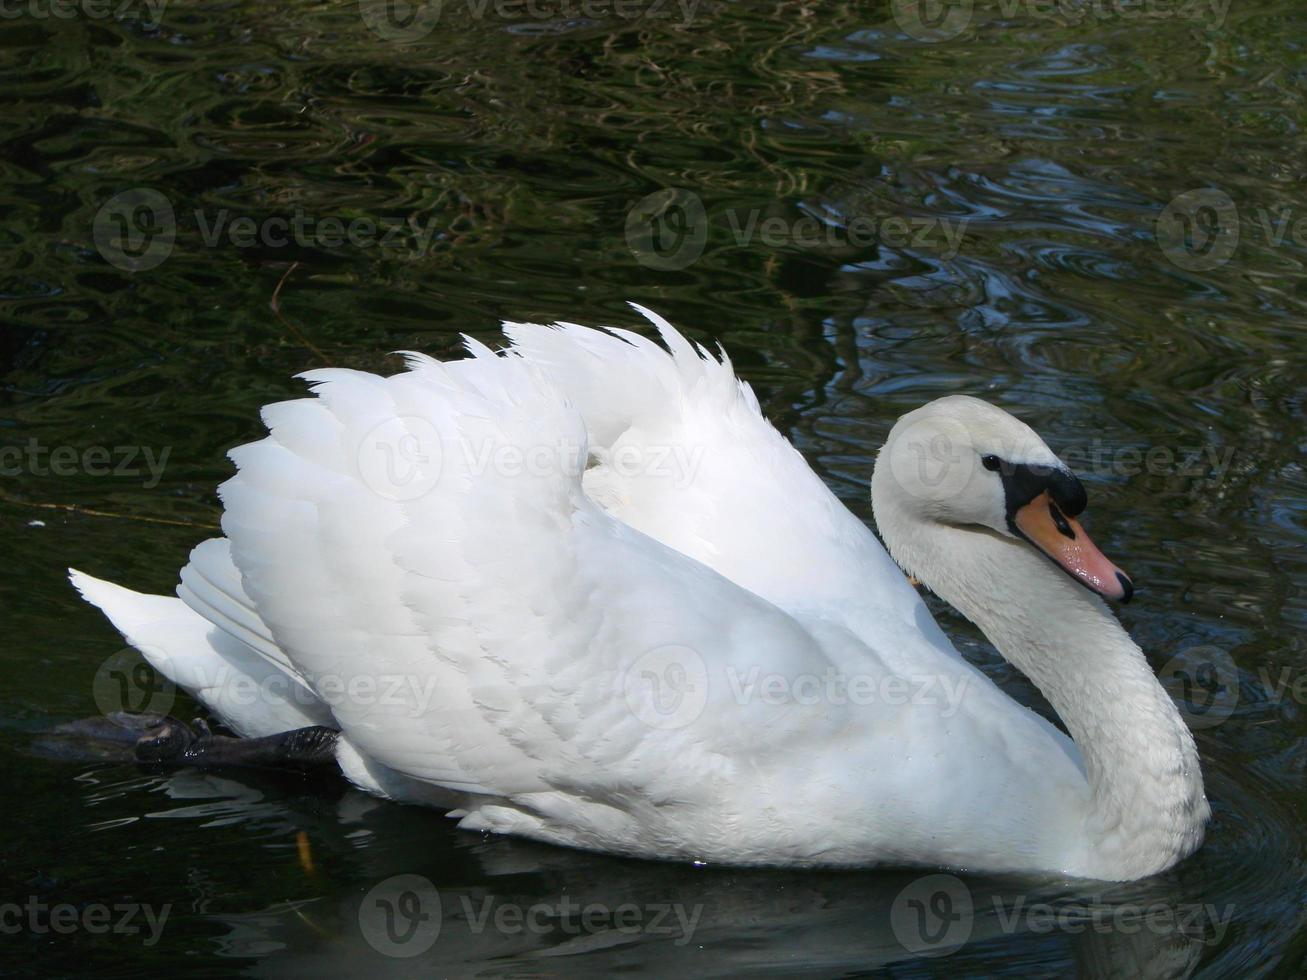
pixel 882 220
pixel 345 881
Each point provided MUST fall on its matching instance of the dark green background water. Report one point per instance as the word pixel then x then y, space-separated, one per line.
pixel 520 145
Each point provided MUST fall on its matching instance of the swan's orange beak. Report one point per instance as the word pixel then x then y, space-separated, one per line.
pixel 1063 539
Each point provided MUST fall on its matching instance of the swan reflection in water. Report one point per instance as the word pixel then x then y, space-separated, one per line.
pixel 518 906
pixel 360 885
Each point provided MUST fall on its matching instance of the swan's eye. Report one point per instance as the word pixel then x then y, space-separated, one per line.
pixel 990 462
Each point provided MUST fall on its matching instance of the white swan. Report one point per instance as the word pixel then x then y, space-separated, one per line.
pixel 583 592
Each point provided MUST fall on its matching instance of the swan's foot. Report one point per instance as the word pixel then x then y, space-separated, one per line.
pixel 168 742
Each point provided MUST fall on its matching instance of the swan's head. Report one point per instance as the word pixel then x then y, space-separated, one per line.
pixel 963 462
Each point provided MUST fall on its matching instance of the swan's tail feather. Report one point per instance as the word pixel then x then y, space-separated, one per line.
pixel 250 692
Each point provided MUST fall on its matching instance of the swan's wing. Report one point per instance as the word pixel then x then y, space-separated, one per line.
pixel 683 453
pixel 421 549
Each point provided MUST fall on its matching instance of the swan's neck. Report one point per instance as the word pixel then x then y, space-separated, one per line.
pixel 1147 809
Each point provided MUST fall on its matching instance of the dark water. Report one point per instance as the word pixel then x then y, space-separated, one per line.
pixel 971 213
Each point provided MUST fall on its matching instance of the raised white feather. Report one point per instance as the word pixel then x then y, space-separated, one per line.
pixel 491 637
